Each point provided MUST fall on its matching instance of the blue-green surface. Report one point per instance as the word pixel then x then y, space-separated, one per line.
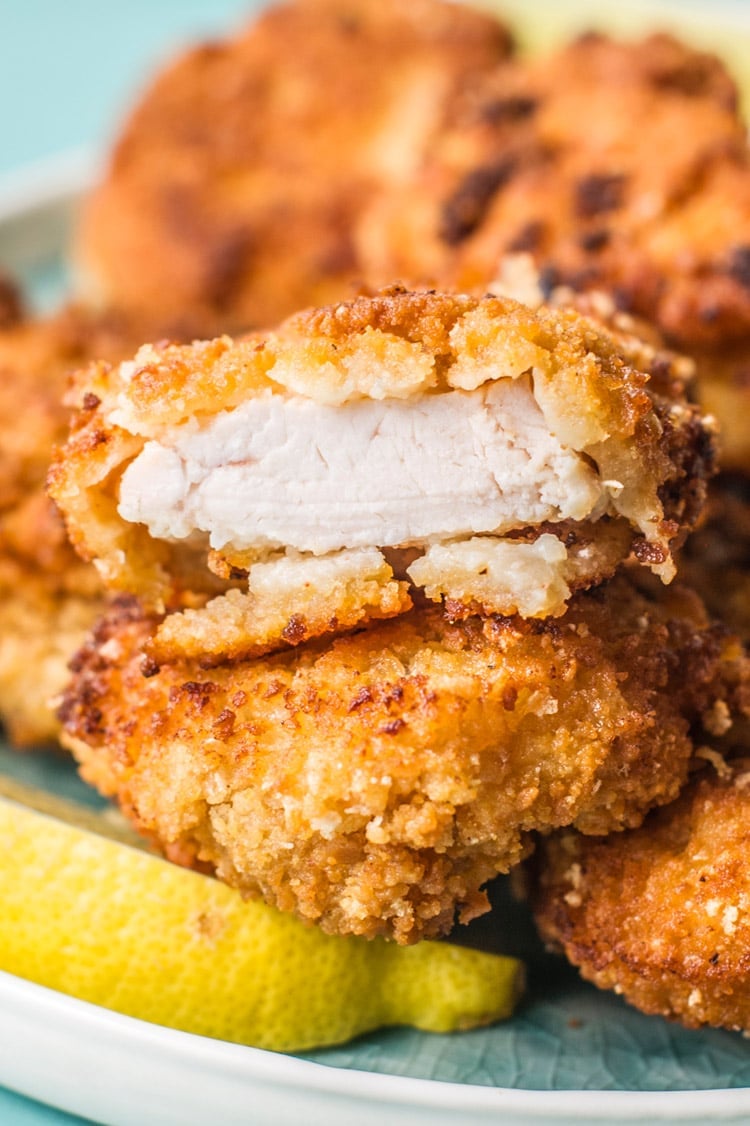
pixel 69 69
pixel 566 1035
pixel 17 1111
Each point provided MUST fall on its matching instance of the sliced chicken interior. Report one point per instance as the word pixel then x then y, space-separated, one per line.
pixel 284 471
pixel 501 457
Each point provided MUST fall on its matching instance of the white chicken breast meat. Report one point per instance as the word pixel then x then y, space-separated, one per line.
pixel 407 444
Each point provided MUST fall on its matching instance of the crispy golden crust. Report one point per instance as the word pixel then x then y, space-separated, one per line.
pixel 656 451
pixel 41 626
pixel 48 596
pixel 306 600
pixel 621 167
pixel 374 784
pixel 715 560
pixel 37 356
pixel 661 914
pixel 240 176
pixel 618 166
pixel 723 389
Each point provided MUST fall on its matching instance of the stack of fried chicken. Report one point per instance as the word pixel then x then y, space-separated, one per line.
pixel 393 577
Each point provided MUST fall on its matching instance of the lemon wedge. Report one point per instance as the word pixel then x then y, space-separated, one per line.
pixel 87 910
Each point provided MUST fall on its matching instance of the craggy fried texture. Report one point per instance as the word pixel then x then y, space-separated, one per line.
pixel 621 167
pixel 661 914
pixel 604 161
pixel 374 784
pixel 428 155
pixel 652 455
pixel 723 389
pixel 41 626
pixel 292 601
pixel 715 560
pixel 48 596
pixel 240 176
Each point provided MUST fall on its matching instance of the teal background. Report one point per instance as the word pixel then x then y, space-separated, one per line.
pixel 69 69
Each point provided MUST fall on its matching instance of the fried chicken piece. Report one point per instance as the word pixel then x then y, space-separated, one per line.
pixel 41 626
pixel 722 387
pixel 374 783
pixel 239 178
pixel 49 598
pixel 517 454
pixel 661 914
pixel 715 560
pixel 434 153
pixel 619 167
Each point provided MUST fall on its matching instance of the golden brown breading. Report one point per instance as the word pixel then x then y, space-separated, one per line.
pixel 49 597
pixel 235 187
pixel 603 161
pixel 723 389
pixel 41 627
pixel 620 167
pixel 563 457
pixel 375 783
pixel 661 914
pixel 292 601
pixel 715 560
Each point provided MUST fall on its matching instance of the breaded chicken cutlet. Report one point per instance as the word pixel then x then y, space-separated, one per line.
pixel 661 914
pixel 603 161
pixel 235 188
pixel 618 167
pixel 49 597
pixel 374 783
pixel 472 452
pixel 431 153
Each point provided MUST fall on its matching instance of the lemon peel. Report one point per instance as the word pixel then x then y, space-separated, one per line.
pixel 88 911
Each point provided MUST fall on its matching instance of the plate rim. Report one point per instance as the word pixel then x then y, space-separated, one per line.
pixel 47 183
pixel 239 1062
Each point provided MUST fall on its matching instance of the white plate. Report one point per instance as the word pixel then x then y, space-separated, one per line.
pixel 125 1072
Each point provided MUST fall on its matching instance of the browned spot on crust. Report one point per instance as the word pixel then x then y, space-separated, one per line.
pixel 295 630
pixel 466 208
pixel 598 193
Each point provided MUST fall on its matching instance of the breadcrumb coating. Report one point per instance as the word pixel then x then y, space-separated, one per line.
pixel 661 914
pixel 49 596
pixel 240 176
pixel 715 559
pixel 373 784
pixel 574 420
pixel 292 600
pixel 41 626
pixel 619 166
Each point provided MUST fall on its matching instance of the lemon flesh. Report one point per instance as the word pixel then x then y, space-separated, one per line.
pixel 89 912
